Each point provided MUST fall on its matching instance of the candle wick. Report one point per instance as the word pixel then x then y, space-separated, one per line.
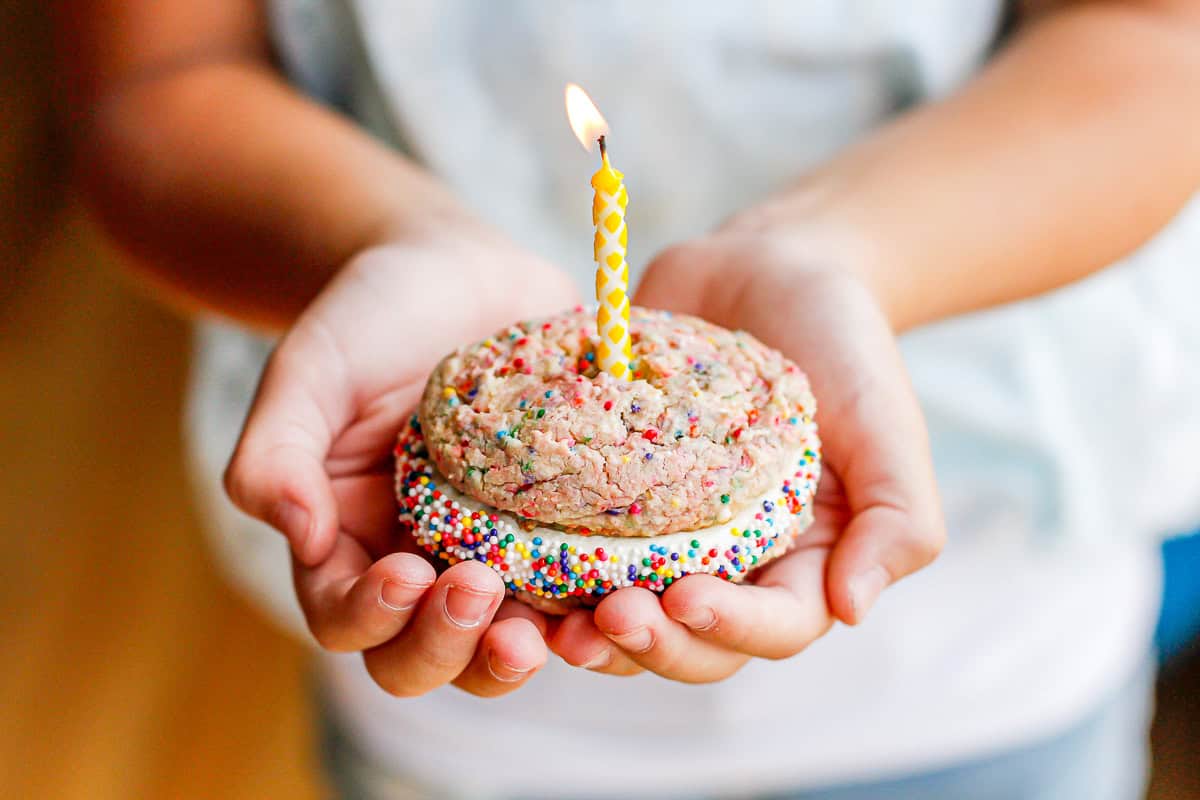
pixel 603 146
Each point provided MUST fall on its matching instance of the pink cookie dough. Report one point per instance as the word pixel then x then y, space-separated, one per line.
pixel 525 423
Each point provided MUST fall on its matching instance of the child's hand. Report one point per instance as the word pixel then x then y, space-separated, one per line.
pixel 315 460
pixel 878 516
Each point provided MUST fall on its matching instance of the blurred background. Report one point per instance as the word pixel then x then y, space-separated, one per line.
pixel 127 668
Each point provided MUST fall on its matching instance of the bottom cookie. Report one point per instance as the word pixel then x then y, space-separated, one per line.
pixel 546 566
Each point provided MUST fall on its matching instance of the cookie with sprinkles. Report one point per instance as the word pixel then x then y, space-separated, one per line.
pixel 555 569
pixel 571 484
pixel 525 422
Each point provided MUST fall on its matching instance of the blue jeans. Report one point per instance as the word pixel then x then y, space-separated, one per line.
pixel 1102 757
pixel 1179 623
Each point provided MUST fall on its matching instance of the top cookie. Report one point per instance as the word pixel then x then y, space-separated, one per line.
pixel 526 423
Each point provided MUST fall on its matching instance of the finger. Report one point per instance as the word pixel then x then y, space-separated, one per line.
pixel 442 638
pixel 581 644
pixel 515 609
pixel 277 472
pixel 874 435
pixel 882 456
pixel 351 604
pixel 367 510
pixel 777 617
pixel 633 619
pixel 880 546
pixel 511 652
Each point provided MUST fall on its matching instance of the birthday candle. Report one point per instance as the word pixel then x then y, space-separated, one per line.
pixel 614 347
pixel 614 351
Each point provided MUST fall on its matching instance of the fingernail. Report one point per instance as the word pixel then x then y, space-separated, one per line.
pixel 865 589
pixel 638 640
pixel 503 672
pixel 701 618
pixel 598 661
pixel 466 607
pixel 293 519
pixel 400 596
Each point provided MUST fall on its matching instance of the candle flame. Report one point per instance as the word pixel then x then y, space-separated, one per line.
pixel 585 118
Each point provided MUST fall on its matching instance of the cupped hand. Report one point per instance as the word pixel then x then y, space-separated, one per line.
pixel 314 460
pixel 878 517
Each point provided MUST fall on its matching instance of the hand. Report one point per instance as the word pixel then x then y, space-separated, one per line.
pixel 877 513
pixel 314 460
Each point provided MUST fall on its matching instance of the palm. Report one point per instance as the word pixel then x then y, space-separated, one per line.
pixel 379 348
pixel 873 437
pixel 315 460
pixel 876 509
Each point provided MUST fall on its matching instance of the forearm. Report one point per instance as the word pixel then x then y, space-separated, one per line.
pixel 1077 144
pixel 239 194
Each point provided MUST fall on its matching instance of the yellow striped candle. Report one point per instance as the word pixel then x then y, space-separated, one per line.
pixel 614 349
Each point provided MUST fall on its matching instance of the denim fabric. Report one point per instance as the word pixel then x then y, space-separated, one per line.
pixel 1179 620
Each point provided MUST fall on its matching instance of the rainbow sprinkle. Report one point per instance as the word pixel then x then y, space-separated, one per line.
pixel 554 563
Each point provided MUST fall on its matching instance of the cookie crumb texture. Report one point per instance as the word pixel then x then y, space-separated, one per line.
pixel 526 423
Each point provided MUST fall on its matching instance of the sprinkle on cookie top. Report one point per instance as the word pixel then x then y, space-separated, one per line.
pixel 526 423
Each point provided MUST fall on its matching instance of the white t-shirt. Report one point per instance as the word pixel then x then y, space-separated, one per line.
pixel 1061 427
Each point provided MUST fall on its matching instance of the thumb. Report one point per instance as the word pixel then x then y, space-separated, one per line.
pixel 277 473
pixel 879 447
